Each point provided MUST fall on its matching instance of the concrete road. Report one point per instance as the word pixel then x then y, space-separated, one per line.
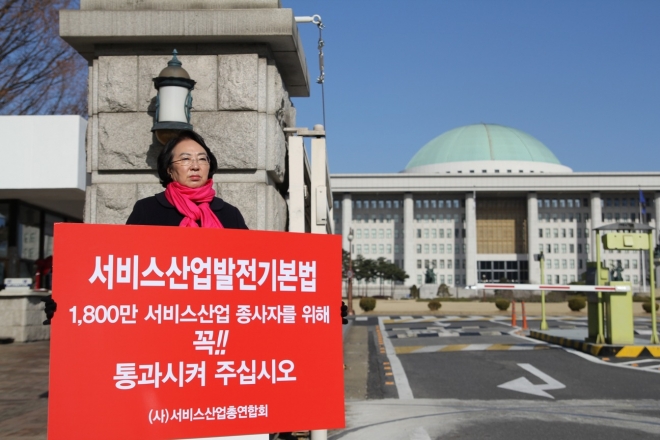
pixel 432 377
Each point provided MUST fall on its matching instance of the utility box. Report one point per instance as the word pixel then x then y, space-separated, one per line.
pixel 619 315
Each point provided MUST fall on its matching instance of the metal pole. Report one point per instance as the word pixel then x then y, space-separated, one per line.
pixel 600 339
pixel 350 271
pixel 544 323
pixel 654 318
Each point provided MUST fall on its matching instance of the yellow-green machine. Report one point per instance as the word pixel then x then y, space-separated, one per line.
pixel 610 314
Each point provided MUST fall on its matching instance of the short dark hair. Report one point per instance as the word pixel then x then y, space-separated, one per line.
pixel 165 156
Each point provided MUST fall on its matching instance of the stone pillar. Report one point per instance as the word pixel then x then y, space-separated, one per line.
pixel 247 60
pixel 409 239
pixel 471 238
pixel 533 238
pixel 596 220
pixel 346 219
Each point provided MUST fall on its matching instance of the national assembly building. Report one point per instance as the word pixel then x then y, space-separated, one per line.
pixel 476 204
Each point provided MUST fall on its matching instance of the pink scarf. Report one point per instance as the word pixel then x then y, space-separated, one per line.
pixel 193 203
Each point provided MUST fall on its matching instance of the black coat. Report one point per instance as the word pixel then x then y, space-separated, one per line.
pixel 157 211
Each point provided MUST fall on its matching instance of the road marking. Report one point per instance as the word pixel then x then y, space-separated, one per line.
pixel 419 434
pixel 362 318
pixel 523 385
pixel 415 349
pixel 400 378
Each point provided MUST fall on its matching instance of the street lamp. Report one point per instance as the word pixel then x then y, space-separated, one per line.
pixel 173 102
pixel 350 272
pixel 541 258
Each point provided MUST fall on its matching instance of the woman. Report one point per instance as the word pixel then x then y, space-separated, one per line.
pixel 185 168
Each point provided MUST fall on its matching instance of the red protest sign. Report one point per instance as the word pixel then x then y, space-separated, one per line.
pixel 166 333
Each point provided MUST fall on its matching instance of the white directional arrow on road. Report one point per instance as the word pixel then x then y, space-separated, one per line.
pixel 523 385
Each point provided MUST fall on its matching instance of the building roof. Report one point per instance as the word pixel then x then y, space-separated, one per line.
pixel 482 143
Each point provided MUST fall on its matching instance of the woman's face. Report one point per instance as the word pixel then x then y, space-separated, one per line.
pixel 190 164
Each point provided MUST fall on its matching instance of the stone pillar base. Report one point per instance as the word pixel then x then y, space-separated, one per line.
pixel 22 315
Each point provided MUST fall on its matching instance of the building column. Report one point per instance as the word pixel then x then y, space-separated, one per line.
pixel 533 238
pixel 346 219
pixel 409 239
pixel 471 239
pixel 596 221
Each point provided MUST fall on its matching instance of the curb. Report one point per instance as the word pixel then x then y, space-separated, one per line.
pixel 620 351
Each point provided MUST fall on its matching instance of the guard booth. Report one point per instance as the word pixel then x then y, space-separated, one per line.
pixel 610 314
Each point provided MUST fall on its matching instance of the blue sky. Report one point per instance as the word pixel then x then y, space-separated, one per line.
pixel 581 76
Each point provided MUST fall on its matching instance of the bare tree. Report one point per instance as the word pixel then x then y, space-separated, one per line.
pixel 39 72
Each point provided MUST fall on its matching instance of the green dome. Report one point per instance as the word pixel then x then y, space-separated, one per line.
pixel 482 142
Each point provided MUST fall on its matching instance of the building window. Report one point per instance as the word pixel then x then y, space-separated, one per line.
pixel 448 233
pixel 563 248
pixel 564 264
pixel 634 264
pixel 572 263
pixel 449 249
pixel 580 264
pixel 441 264
pixel 555 248
pixel 426 248
pixel 541 233
pixel 556 264
pixel 441 248
pixel 571 248
pixel 449 279
pixel 373 248
pixel 548 279
pixel 426 233
pixel 434 248
pixel 449 262
pixel 419 264
pixel 419 233
pixel 418 204
pixel 419 248
pixel 419 280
